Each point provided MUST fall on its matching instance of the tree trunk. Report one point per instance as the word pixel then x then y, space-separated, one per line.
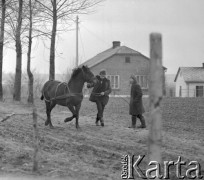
pixel 2 45
pixel 52 46
pixel 30 75
pixel 17 84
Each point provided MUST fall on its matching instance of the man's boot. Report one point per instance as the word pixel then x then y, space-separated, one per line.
pixel 134 118
pixel 97 119
pixel 102 121
pixel 142 120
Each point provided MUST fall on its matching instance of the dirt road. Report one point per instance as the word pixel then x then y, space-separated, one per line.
pixel 95 152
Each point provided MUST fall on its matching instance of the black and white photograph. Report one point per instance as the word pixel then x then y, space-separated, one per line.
pixel 101 89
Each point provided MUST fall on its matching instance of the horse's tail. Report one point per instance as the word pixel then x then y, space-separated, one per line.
pixel 42 97
pixel 42 91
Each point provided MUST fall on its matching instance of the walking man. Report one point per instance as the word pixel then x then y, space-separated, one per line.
pixel 136 106
pixel 100 95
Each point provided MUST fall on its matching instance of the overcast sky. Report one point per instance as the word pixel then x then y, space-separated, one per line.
pixel 181 23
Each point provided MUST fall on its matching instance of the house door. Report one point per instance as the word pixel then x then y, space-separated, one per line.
pixel 180 91
pixel 199 91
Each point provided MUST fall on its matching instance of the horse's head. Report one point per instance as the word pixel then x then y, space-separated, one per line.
pixel 88 75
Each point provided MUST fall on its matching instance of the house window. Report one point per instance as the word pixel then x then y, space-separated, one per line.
pixel 114 81
pixel 199 91
pixel 127 59
pixel 142 81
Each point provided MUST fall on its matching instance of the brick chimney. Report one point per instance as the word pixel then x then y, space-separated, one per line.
pixel 116 44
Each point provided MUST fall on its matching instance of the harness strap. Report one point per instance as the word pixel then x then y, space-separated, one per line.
pixel 64 96
pixel 66 85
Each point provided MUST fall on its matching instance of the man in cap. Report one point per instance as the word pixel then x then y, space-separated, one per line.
pixel 100 95
pixel 136 106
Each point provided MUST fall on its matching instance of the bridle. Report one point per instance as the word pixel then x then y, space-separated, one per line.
pixel 84 75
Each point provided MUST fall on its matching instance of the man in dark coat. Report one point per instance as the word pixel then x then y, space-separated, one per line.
pixel 136 106
pixel 100 95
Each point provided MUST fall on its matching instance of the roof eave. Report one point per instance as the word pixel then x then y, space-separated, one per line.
pixel 194 81
pixel 92 65
pixel 177 74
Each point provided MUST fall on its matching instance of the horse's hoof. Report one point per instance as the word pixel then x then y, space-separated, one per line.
pixel 51 127
pixel 78 127
pixel 68 119
pixel 46 123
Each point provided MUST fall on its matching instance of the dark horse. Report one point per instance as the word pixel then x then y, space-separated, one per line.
pixel 70 95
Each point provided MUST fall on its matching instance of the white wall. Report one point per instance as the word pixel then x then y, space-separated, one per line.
pixel 188 89
pixel 180 82
pixel 192 88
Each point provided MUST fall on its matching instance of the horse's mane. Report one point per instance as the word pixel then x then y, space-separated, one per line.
pixel 75 72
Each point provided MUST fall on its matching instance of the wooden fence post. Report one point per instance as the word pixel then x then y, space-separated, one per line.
pixel 156 94
pixel 35 140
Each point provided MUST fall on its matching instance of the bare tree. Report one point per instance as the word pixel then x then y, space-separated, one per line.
pixel 3 15
pixel 10 83
pixel 58 14
pixel 17 83
pixel 17 27
pixel 22 28
pixel 34 18
pixel 6 11
pixel 30 75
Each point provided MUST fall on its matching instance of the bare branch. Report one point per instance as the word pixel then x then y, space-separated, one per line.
pixel 46 7
pixel 7 117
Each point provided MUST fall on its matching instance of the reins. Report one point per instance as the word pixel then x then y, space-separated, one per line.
pixel 96 94
pixel 99 94
pixel 123 99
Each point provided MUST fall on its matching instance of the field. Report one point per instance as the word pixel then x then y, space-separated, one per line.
pixel 95 152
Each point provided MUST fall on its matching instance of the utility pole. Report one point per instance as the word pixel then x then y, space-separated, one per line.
pixel 77 46
pixel 156 95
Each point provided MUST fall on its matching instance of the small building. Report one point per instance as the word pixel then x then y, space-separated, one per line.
pixel 170 85
pixel 190 82
pixel 120 62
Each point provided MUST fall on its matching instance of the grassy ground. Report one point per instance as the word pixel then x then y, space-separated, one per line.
pixel 94 152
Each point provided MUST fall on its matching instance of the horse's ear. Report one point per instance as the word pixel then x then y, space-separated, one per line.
pixel 84 67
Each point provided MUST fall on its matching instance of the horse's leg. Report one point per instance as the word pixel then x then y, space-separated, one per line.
pixel 100 112
pixel 49 107
pixel 47 122
pixel 71 108
pixel 101 119
pixel 77 115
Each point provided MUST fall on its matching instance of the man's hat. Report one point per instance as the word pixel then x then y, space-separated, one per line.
pixel 102 72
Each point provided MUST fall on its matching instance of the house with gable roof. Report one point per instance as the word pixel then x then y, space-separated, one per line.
pixel 190 82
pixel 120 62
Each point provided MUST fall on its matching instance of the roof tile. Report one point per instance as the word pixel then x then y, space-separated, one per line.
pixel 193 74
pixel 108 53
